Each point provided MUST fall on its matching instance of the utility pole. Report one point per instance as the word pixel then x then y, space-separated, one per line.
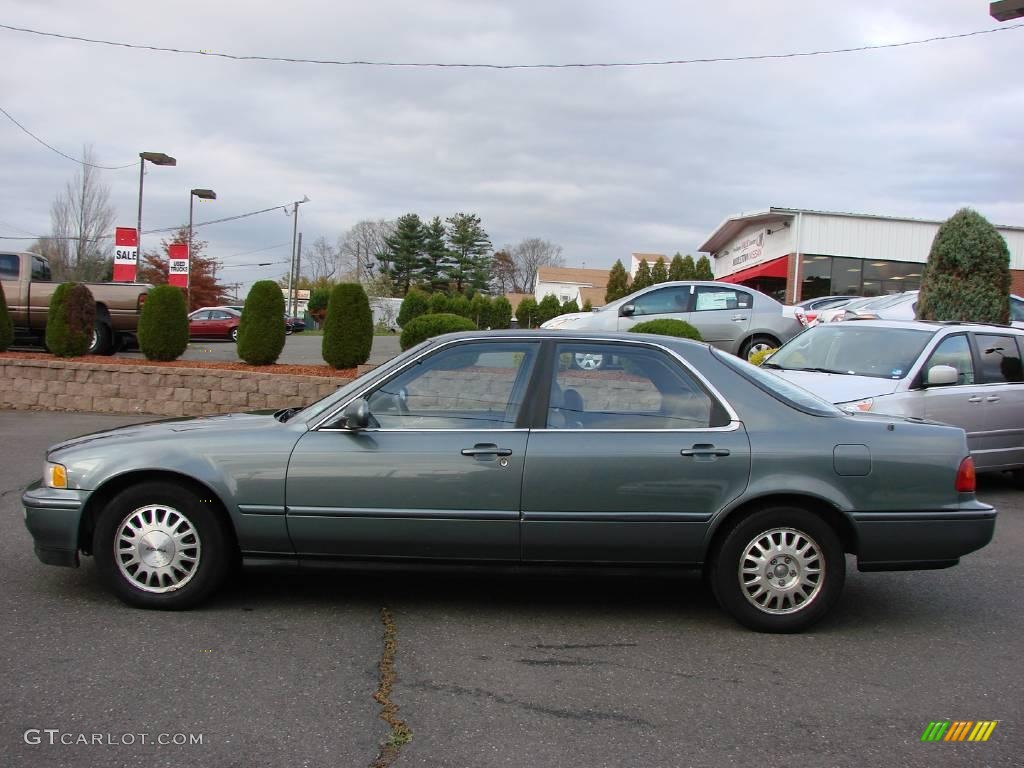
pixel 295 234
pixel 295 282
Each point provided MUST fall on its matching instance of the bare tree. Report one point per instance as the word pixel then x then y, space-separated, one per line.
pixel 80 245
pixel 321 261
pixel 530 255
pixel 361 245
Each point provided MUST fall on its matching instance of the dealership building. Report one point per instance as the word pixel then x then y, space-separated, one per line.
pixel 795 254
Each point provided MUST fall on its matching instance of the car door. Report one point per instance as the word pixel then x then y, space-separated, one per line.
pixel 219 322
pixel 721 314
pixel 1002 380
pixel 672 301
pixel 199 324
pixel 960 404
pixel 632 462
pixel 439 473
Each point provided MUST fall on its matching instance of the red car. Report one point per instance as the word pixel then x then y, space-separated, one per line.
pixel 214 323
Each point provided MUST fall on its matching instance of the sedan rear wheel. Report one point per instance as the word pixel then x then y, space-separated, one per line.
pixel 234 334
pixel 780 569
pixel 758 344
pixel 158 545
pixel 586 361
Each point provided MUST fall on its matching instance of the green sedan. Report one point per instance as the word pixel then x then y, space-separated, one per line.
pixel 495 448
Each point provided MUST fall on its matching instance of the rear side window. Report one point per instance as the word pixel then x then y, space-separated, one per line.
pixel 712 297
pixel 1000 359
pixel 9 266
pixel 40 269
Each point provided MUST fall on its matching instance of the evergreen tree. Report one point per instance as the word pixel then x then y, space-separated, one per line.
pixel 348 332
pixel 587 306
pixel 659 273
pixel 526 313
pixel 548 309
pixel 570 307
pixel 642 278
pixel 967 276
pixel 501 313
pixel 403 259
pixel 676 270
pixel 437 259
pixel 471 252
pixel 618 282
pixel 703 269
pixel 439 304
pixel 261 332
pixel 415 303
pixel 480 311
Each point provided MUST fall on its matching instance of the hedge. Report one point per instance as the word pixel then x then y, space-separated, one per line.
pixel 668 327
pixel 757 358
pixel 428 326
pixel 261 331
pixel 6 325
pixel 415 303
pixel 71 320
pixel 163 326
pixel 348 330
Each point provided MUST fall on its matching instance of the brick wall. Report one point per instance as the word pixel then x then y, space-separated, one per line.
pixel 59 385
pixel 1017 281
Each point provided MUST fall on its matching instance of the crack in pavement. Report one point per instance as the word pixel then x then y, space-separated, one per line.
pixel 589 715
pixel 400 734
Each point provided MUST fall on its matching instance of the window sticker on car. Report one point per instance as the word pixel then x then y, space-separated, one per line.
pixel 897 373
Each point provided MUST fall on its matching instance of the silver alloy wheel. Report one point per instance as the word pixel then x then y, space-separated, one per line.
pixel 588 362
pixel 759 346
pixel 94 341
pixel 234 334
pixel 157 549
pixel 781 571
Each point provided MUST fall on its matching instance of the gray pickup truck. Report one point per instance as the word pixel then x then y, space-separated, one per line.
pixel 27 288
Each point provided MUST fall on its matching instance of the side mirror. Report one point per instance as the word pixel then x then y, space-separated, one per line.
pixel 626 310
pixel 356 415
pixel 942 375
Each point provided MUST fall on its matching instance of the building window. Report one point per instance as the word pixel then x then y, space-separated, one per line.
pixel 839 276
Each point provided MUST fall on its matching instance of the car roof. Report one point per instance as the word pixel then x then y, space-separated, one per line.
pixel 570 335
pixel 927 325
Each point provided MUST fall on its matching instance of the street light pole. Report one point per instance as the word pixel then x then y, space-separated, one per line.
pixel 157 158
pixel 203 194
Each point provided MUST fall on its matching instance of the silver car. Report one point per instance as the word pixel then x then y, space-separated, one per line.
pixel 903 306
pixel 965 374
pixel 731 317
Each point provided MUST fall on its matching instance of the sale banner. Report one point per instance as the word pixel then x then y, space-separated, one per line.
pixel 178 268
pixel 126 249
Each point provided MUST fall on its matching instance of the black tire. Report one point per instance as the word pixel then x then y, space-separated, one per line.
pixel 794 607
pixel 103 338
pixel 755 343
pixel 205 540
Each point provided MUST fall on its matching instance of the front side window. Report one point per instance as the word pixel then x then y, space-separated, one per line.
pixel 219 315
pixel 954 351
pixel 204 315
pixel 466 386
pixel 712 297
pixel 999 359
pixel 663 301
pixel 40 269
pixel 853 350
pixel 9 266
pixel 635 388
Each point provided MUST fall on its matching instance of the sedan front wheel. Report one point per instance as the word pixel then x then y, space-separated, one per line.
pixel 780 569
pixel 159 545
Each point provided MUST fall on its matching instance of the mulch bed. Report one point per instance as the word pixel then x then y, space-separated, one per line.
pixel 294 370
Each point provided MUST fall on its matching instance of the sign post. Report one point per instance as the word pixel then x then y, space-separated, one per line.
pixel 126 249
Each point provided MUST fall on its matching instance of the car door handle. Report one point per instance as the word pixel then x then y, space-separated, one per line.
pixel 739 318
pixel 486 450
pixel 992 399
pixel 975 399
pixel 704 449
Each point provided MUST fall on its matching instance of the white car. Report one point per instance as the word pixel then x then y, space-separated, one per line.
pixel 903 306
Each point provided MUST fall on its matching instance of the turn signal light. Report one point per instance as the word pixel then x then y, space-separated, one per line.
pixel 965 477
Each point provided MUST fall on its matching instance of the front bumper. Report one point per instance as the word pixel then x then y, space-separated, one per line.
pixel 53 516
pixel 907 541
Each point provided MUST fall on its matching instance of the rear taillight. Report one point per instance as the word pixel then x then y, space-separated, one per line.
pixel 142 300
pixel 965 477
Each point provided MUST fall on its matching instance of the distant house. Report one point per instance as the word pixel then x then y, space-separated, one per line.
pixel 572 284
pixel 636 258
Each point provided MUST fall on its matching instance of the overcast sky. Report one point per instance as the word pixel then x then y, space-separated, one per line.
pixel 601 161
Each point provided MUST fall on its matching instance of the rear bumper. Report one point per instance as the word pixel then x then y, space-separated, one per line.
pixel 906 541
pixel 52 516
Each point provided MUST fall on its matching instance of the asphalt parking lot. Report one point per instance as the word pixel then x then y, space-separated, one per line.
pixel 497 669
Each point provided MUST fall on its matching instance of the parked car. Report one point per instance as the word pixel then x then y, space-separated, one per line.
pixel 807 311
pixel 731 317
pixel 26 282
pixel 838 312
pixel 492 448
pixel 965 374
pixel 903 306
pixel 214 323
pixel 294 325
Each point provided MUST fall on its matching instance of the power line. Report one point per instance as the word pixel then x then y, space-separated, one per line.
pixel 580 65
pixel 69 157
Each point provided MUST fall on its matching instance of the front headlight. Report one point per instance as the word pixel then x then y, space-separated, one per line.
pixel 858 405
pixel 55 475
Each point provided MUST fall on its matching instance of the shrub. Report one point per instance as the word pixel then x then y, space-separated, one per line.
pixel 570 307
pixel 438 304
pixel 759 357
pixel 428 326
pixel 460 305
pixel 587 306
pixel 163 326
pixel 668 327
pixel 348 332
pixel 6 326
pixel 261 330
pixel 967 276
pixel 414 304
pixel 480 311
pixel 548 309
pixel 71 320
pixel 501 313
pixel 526 313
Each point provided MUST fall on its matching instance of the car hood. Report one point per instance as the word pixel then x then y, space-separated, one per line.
pixel 838 387
pixel 156 430
pixel 574 319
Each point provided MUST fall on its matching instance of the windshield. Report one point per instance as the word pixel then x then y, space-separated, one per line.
pixel 853 349
pixel 779 388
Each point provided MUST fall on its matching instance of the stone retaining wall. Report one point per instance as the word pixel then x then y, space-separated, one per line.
pixel 62 385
